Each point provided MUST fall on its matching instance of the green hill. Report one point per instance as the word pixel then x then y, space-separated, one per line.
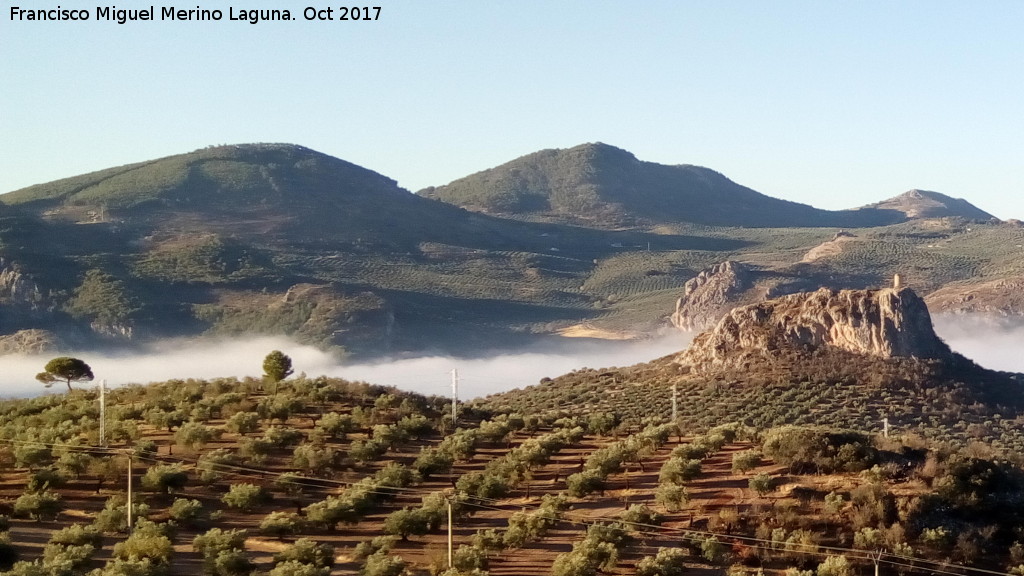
pixel 926 204
pixel 280 239
pixel 603 186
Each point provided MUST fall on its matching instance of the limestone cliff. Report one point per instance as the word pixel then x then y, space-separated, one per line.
pixel 16 288
pixel 30 342
pixel 710 294
pixel 887 323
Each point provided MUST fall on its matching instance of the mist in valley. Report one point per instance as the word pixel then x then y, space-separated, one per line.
pixel 426 375
pixel 992 344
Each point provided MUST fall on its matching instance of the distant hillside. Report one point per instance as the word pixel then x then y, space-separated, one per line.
pixel 603 186
pixel 925 204
pixel 278 239
pixel 250 191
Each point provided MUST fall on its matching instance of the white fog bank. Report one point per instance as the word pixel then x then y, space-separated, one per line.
pixel 426 375
pixel 996 345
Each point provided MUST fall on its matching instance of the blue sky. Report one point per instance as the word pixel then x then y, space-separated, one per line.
pixel 831 104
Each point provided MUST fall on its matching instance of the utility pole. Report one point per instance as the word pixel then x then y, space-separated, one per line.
pixel 675 405
pixel 448 499
pixel 455 396
pixel 103 412
pixel 876 557
pixel 129 504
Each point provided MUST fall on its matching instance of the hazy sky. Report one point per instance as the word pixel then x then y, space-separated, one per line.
pixel 831 104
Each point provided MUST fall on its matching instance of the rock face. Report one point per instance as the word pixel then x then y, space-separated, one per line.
pixel 711 293
pixel 1002 298
pixel 883 323
pixel 16 288
pixel 30 342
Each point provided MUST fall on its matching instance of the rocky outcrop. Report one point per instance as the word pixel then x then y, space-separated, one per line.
pixel 1002 298
pixel 16 287
pixel 887 323
pixel 710 294
pixel 30 342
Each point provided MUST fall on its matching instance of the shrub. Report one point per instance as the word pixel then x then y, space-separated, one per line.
pixel 331 511
pixel 43 505
pixel 835 566
pixel 193 435
pixel 406 522
pixel 335 425
pixel 583 483
pixel 380 544
pixel 415 426
pixel 66 558
pixel 667 562
pixel 185 511
pixel 432 461
pixel 314 459
pixel 745 461
pixel 367 450
pixel 245 497
pixel 243 422
pixel 280 524
pixel 114 516
pixel 165 478
pixel 690 451
pixel 77 535
pixel 678 470
pixel 468 558
pixel 712 549
pixel 229 563
pixel 118 567
pixel 601 423
pixel 380 564
pixel 44 478
pixel 146 542
pixel 761 483
pixel 806 449
pixel 211 463
pixel 671 496
pixel 306 551
pixel 293 568
pixel 215 540
pixel 281 436
pixel 489 539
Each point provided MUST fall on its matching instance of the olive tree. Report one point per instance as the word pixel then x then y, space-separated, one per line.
pixel 147 542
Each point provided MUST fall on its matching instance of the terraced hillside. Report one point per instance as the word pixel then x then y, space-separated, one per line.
pixel 332 477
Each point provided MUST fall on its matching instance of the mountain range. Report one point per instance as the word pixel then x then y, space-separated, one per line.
pixel 281 239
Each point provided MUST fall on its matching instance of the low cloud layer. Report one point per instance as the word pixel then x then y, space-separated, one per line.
pixel 995 344
pixel 426 375
pixel 990 344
